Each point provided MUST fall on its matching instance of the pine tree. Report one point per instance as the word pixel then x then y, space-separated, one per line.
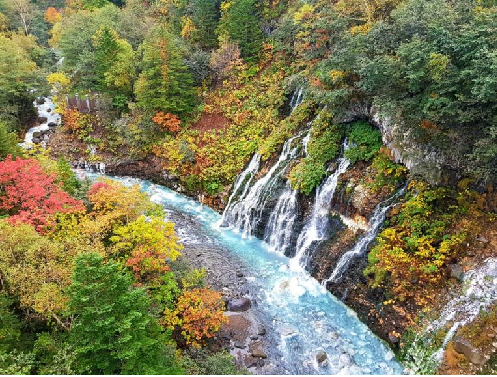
pixel 205 16
pixel 114 331
pixel 164 83
pixel 106 50
pixel 240 23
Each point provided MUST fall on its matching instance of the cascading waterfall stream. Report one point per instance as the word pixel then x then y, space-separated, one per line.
pixel 242 182
pixel 317 225
pixel 45 110
pixel 246 212
pixel 480 291
pixel 376 221
pixel 279 229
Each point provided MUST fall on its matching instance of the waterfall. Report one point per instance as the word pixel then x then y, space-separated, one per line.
pixel 46 109
pixel 242 183
pixel 297 99
pixel 279 229
pixel 480 291
pixel 246 213
pixel 360 247
pixel 317 226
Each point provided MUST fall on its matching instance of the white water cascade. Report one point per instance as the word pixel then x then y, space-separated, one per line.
pixel 317 225
pixel 242 182
pixel 279 229
pixel 360 247
pixel 45 110
pixel 479 292
pixel 246 212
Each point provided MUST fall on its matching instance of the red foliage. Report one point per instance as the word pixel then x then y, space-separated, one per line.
pixel 168 121
pixel 31 196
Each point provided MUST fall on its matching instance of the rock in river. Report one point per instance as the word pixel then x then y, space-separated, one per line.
pixel 239 304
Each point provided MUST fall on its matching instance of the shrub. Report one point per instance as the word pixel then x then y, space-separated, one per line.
pixel 365 140
pixel 307 175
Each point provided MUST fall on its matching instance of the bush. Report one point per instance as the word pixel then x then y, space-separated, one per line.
pixel 365 140
pixel 307 175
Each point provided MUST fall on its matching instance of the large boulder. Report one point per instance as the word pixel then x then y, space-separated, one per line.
pixel 473 354
pixel 257 350
pixel 239 304
pixel 456 271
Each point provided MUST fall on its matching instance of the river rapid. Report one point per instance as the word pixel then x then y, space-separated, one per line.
pixel 301 316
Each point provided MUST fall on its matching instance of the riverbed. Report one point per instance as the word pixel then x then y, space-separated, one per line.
pixel 302 318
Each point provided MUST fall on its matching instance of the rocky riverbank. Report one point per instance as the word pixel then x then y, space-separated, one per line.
pixel 246 335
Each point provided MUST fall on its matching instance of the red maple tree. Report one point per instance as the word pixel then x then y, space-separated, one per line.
pixel 29 195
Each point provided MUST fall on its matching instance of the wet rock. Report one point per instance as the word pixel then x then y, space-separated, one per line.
pixel 239 274
pixel 482 239
pixel 474 355
pixel 257 350
pixel 239 304
pixel 36 140
pixel 52 125
pixel 456 271
pixel 42 119
pixel 36 134
pixel 321 357
pixel 261 331
pixel 254 337
pixel 239 345
pixel 49 110
pixel 394 339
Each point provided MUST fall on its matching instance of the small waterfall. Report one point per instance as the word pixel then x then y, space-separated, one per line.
pixel 317 226
pixel 279 229
pixel 297 99
pixel 478 292
pixel 360 247
pixel 242 183
pixel 246 213
pixel 45 109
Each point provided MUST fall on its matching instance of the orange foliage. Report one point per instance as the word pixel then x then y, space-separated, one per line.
pixel 168 121
pixel 52 15
pixel 199 314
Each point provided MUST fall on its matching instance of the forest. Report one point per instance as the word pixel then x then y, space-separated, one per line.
pixel 251 107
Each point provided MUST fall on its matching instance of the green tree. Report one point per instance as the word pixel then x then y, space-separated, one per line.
pixel 113 330
pixel 164 83
pixel 205 16
pixel 240 24
pixel 8 142
pixel 19 76
pixel 106 50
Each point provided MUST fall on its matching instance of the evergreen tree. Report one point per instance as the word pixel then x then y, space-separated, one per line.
pixel 205 16
pixel 114 331
pixel 106 50
pixel 240 23
pixel 165 83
